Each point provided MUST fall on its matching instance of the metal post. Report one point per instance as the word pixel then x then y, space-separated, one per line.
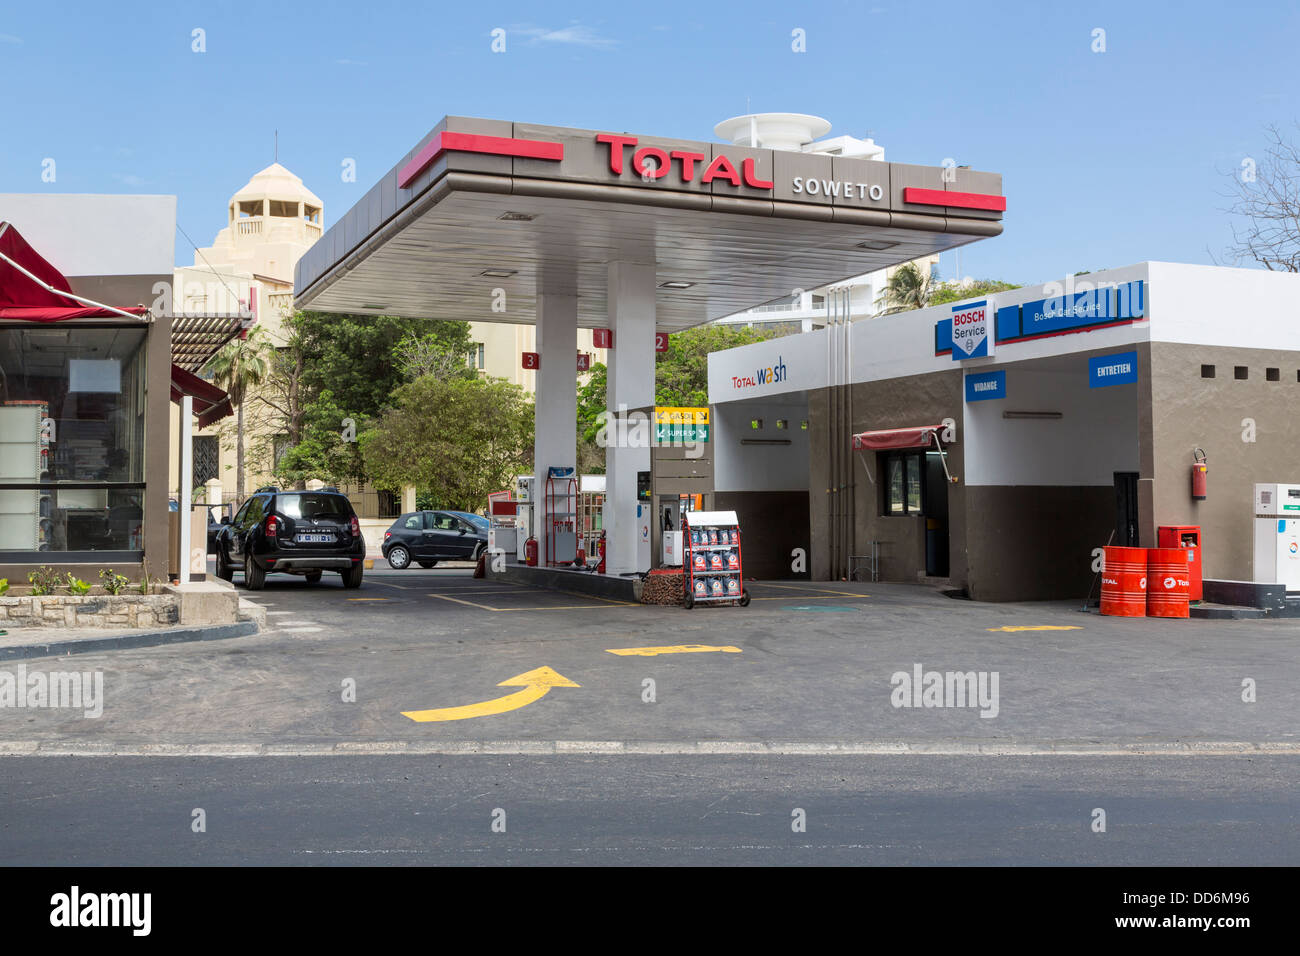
pixel 187 490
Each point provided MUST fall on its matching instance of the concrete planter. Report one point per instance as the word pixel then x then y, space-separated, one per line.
pixel 91 610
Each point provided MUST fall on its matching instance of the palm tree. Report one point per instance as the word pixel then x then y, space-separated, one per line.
pixel 242 364
pixel 908 288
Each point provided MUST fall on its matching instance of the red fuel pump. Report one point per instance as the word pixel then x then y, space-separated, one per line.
pixel 530 552
pixel 1199 472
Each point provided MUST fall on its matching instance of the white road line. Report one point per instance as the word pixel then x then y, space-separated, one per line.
pixel 938 748
pixel 273 613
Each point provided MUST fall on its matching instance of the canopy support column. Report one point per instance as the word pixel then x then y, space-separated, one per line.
pixel 631 386
pixel 555 407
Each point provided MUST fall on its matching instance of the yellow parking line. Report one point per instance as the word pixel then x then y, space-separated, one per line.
pixel 811 597
pixel 672 649
pixel 506 610
pixel 800 587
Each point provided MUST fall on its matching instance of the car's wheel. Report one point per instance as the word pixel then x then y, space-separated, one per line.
pixel 254 577
pixel 352 576
pixel 744 599
pixel 427 564
pixel 478 551
pixel 224 570
pixel 312 576
pixel 399 558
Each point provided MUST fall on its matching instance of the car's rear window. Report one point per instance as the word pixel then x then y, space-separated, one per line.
pixel 313 505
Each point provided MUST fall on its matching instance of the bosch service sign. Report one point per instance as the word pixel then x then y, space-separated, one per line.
pixel 972 330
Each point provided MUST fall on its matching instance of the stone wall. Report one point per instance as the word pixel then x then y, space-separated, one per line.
pixel 98 611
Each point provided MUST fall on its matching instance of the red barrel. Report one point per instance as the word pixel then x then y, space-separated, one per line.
pixel 1124 582
pixel 1168 582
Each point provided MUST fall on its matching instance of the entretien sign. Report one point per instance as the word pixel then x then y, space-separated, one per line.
pixel 1118 369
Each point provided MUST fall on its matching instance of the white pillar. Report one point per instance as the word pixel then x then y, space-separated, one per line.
pixel 187 489
pixel 555 408
pixel 631 364
pixel 408 498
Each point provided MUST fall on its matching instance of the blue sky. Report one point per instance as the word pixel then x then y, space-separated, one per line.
pixel 1108 158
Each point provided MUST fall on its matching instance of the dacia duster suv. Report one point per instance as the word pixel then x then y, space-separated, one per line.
pixel 292 532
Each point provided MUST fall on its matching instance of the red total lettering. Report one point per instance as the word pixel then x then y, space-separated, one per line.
pixel 660 158
pixel 688 161
pixel 721 167
pixel 616 144
pixel 751 177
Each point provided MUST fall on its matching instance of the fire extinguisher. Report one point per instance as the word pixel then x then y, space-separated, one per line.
pixel 600 568
pixel 1199 471
pixel 530 552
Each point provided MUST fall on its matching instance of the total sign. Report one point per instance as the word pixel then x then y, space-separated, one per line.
pixel 972 330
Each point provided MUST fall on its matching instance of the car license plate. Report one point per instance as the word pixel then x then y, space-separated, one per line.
pixel 315 539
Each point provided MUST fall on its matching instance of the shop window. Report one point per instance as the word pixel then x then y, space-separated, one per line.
pixel 1240 373
pixel 1207 371
pixel 72 407
pixel 1273 374
pixel 902 483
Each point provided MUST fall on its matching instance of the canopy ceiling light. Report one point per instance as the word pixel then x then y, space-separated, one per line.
pixel 876 245
pixel 517 217
pixel 499 273
pixel 676 285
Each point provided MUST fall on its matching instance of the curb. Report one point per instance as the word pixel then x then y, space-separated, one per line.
pixel 613 748
pixel 216 632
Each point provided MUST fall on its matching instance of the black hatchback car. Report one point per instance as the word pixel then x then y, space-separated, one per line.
pixel 427 537
pixel 292 532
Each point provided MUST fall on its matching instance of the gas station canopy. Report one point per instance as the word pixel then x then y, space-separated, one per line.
pixel 484 205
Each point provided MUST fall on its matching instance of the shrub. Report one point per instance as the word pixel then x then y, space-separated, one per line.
pixel 114 583
pixel 43 581
pixel 75 585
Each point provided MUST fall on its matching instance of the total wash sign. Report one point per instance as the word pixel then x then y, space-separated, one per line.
pixel 972 330
pixel 763 376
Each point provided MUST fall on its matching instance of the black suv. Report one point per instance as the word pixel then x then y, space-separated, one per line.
pixel 292 532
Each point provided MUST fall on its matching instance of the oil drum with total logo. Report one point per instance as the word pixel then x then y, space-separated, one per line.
pixel 1124 582
pixel 1168 583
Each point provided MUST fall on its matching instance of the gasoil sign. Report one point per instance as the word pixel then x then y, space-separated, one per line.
pixel 972 330
pixel 677 425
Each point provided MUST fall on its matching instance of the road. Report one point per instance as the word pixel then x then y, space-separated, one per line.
pixel 301 747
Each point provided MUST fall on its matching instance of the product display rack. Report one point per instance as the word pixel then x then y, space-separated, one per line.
pixel 711 559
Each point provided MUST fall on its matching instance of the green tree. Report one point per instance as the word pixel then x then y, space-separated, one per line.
pixel 952 292
pixel 457 439
pixel 591 405
pixel 241 366
pixel 356 357
pixel 682 372
pixel 907 288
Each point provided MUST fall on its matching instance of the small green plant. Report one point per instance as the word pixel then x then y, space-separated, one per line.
pixel 75 585
pixel 114 583
pixel 4 586
pixel 145 579
pixel 43 581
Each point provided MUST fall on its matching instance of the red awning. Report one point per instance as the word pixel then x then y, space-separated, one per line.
pixel 915 436
pixel 211 404
pixel 22 297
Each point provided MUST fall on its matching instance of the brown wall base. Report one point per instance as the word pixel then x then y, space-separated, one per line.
pixel 772 524
pixel 1034 543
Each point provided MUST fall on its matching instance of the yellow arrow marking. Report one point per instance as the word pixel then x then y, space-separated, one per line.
pixel 1039 627
pixel 536 684
pixel 673 649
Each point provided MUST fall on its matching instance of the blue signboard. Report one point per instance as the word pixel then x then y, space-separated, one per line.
pixel 1073 312
pixel 1118 369
pixel 982 386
